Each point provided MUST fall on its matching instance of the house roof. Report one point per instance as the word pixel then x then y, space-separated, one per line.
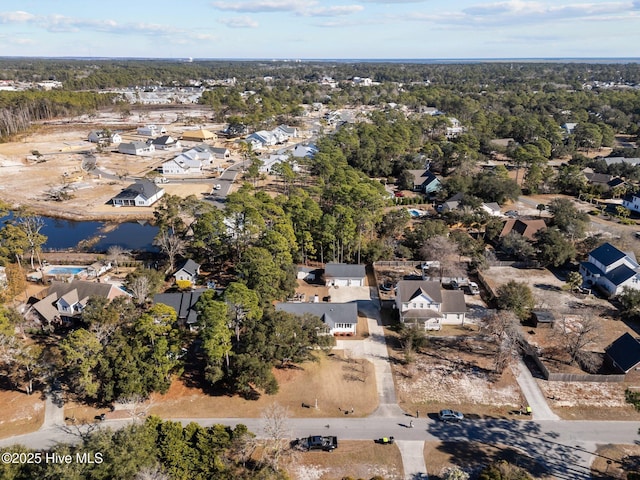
pixel 625 352
pixel 344 270
pixel 164 140
pixel 198 134
pixel 145 188
pixel 45 307
pixel 526 228
pixel 329 313
pixel 451 301
pixel 607 254
pixel 219 150
pixel 620 274
pixel 133 145
pixel 85 289
pixel 410 289
pixel 190 267
pixel 598 178
pixel 184 303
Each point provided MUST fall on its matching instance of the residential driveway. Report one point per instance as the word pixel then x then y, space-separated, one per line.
pixel 413 459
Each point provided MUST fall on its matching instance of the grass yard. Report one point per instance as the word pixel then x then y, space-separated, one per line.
pixel 20 413
pixel 336 382
pixel 356 459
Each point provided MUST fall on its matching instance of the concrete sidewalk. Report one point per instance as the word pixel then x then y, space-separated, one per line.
pixel 533 394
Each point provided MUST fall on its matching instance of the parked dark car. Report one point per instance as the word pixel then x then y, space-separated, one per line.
pixel 317 442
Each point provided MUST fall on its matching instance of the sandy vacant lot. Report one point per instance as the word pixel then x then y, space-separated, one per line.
pixel 20 413
pixel 64 157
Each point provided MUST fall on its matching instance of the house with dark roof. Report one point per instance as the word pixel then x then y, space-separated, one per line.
pixel 424 181
pixel 165 142
pixel 425 302
pixel 602 181
pixel 184 303
pixel 188 270
pixel 65 301
pixel 624 354
pixel 143 193
pixel 344 275
pixel 526 228
pixel 610 270
pixel 339 318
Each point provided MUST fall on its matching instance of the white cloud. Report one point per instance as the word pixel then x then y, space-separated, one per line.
pixel 261 6
pixel 16 17
pixel 335 11
pixel 518 12
pixel 239 22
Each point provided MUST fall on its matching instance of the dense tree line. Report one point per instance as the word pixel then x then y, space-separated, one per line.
pixel 162 450
pixel 19 109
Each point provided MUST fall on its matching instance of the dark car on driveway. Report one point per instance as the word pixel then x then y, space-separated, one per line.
pixel 450 416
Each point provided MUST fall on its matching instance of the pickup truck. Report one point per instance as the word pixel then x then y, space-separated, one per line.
pixel 317 442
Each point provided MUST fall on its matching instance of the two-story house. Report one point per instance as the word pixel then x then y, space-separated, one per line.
pixel 427 303
pixel 610 270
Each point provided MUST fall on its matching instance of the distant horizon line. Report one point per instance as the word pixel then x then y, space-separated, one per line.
pixel 612 60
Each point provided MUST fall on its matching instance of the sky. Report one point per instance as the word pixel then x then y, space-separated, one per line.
pixel 321 29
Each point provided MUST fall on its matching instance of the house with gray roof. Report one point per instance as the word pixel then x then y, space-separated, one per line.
pixel 65 301
pixel 344 275
pixel 184 303
pixel 424 181
pixel 610 269
pixel 136 148
pixel 188 270
pixel 425 302
pixel 104 137
pixel 143 193
pixel 340 318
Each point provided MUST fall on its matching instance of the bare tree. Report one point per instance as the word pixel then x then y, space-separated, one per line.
pixel 136 406
pixel 140 287
pixel 578 332
pixel 445 251
pixel 116 254
pixel 32 225
pixel 504 327
pixel 172 245
pixel 277 434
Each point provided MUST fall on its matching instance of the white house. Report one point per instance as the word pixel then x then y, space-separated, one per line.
pixel 611 270
pixel 220 152
pixel 104 137
pixel 339 318
pixel 151 130
pixel 262 139
pixel 143 193
pixel 427 303
pixel 632 202
pixel 182 165
pixel 287 131
pixel 302 151
pixel 344 275
pixel 455 130
pixel 165 142
pixel 189 270
pixel 136 148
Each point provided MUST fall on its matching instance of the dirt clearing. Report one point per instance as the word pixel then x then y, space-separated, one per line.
pixel 20 413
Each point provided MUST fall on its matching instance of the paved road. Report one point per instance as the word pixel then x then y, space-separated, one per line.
pixel 564 448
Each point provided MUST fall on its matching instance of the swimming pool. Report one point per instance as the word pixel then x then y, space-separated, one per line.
pixel 59 270
pixel 414 212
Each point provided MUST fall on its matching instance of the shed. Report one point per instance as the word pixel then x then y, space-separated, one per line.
pixel 543 318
